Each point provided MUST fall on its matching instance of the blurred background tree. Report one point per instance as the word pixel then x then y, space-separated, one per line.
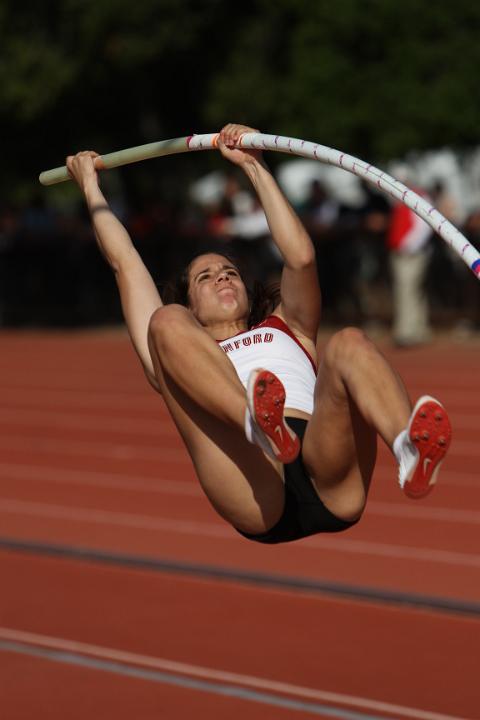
pixel 376 78
pixel 102 74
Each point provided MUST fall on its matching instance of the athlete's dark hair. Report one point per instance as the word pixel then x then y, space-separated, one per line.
pixel 263 299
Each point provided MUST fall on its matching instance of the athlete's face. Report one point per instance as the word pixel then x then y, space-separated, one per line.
pixel 216 290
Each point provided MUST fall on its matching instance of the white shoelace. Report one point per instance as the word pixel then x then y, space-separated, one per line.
pixel 406 454
pixel 255 435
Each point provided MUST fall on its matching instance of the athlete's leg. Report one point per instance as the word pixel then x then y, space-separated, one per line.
pixel 197 364
pixel 357 395
pixel 207 402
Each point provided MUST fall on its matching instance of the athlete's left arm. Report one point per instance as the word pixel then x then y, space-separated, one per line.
pixel 299 286
pixel 300 291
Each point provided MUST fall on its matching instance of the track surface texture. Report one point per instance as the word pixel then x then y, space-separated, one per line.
pixel 123 594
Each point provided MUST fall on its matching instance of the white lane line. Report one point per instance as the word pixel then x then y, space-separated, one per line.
pixel 130 373
pixel 67 476
pixel 458 404
pixel 70 390
pixel 442 514
pixel 51 443
pixel 402 552
pixel 155 426
pixel 82 399
pixel 109 517
pixel 449 396
pixel 209 529
pixel 249 681
pixel 190 683
pixel 166 486
pixel 158 425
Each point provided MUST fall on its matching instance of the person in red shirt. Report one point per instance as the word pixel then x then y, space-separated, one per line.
pixel 408 240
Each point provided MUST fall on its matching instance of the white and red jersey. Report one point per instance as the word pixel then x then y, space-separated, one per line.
pixel 272 345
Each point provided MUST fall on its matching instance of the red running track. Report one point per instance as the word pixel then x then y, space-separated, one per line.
pixel 89 459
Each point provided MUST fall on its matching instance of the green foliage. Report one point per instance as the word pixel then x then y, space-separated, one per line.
pixel 375 78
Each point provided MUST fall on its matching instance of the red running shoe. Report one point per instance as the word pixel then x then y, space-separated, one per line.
pixel 430 433
pixel 266 400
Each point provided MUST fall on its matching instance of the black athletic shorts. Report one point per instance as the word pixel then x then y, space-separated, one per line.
pixel 304 513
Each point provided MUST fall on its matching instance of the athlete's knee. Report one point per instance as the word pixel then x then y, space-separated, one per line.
pixel 344 496
pixel 347 345
pixel 350 508
pixel 167 323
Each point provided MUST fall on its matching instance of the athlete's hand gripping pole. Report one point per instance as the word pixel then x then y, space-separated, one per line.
pixel 302 148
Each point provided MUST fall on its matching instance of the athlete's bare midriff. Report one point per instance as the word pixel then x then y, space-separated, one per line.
pixel 293 412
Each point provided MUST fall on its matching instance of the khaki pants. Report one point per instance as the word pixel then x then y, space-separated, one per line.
pixel 410 304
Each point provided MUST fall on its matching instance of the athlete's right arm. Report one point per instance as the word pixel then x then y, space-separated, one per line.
pixel 138 293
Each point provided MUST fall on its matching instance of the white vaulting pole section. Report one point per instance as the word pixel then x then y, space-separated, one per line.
pixel 302 148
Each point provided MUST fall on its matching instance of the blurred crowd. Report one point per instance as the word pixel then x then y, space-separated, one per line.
pixel 380 267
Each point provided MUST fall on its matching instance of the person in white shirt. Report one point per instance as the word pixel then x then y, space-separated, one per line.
pixel 409 241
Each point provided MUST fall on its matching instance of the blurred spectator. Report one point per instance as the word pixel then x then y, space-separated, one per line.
pixel 409 243
pixel 241 222
pixel 466 285
pixel 44 280
pixel 350 245
pixel 372 271
pixel 320 211
pixel 320 215
pixel 444 202
pixel 453 284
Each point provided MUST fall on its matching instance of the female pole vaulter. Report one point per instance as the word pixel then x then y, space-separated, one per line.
pixel 282 434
